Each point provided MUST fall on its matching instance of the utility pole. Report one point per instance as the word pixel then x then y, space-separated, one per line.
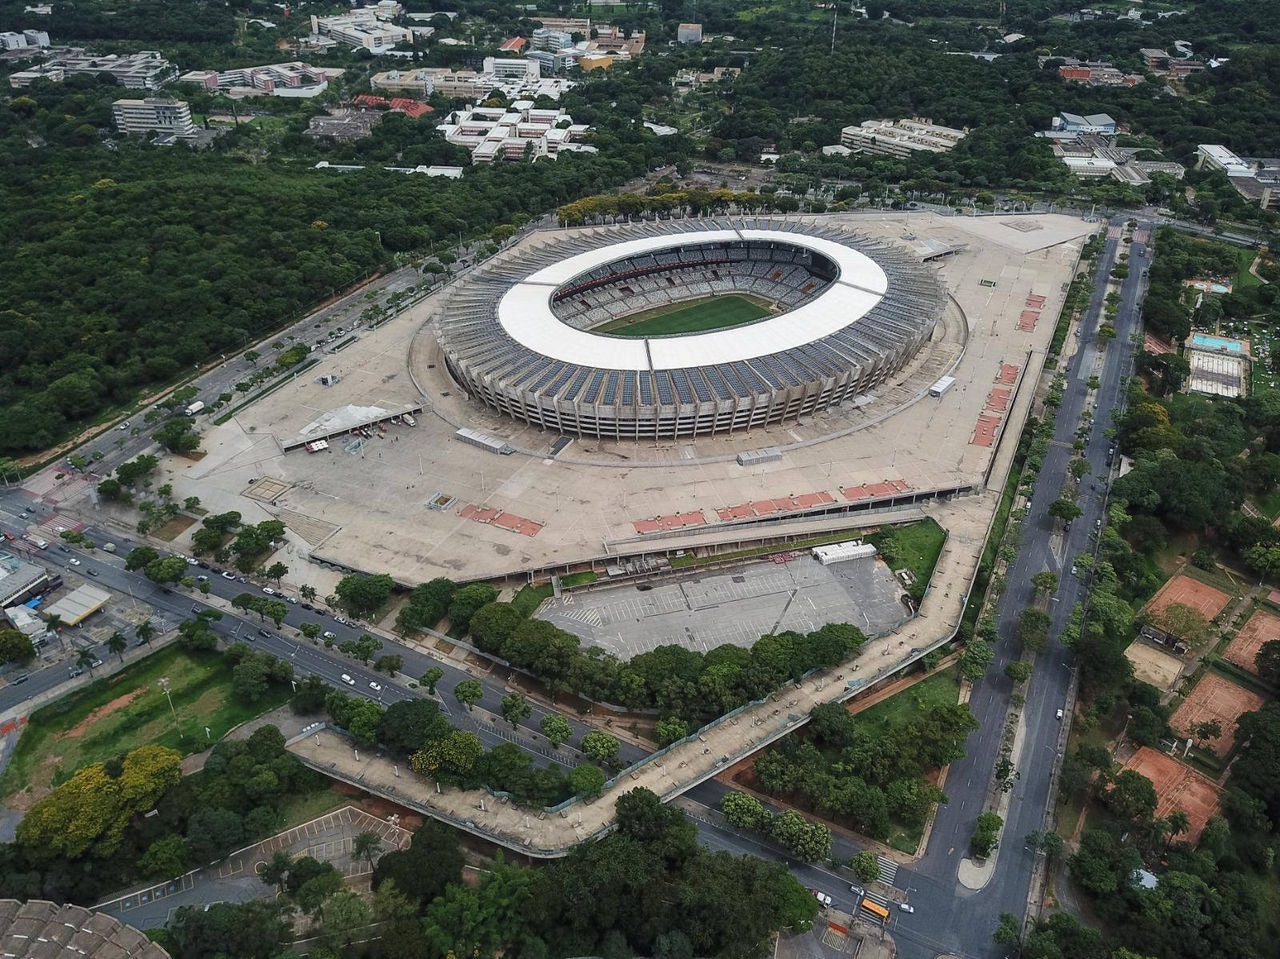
pixel 835 15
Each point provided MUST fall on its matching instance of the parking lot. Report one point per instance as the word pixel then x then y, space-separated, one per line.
pixel 738 606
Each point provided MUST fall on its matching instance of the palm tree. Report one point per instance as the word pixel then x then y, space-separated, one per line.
pixel 53 623
pixel 1178 822
pixel 117 644
pixel 366 845
pixel 144 631
pixel 86 659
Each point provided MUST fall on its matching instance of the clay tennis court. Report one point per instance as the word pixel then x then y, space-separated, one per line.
pixel 1189 592
pixel 1178 787
pixel 1261 628
pixel 1220 699
pixel 1153 666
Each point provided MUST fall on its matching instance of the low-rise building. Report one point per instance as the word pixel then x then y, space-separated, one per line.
pixel 364 28
pixel 295 79
pixel 410 108
pixel 1257 179
pixel 514 45
pixel 26 40
pixel 516 133
pixel 1075 123
pixel 511 69
pixel 154 115
pixel 146 70
pixel 900 138
pixel 1095 73
pixel 689 33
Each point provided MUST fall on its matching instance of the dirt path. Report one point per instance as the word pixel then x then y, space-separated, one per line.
pixel 82 727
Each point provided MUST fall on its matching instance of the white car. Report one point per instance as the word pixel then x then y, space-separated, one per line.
pixel 375 686
pixel 906 907
pixel 290 599
pixel 823 899
pixel 1059 713
pixel 268 590
pixel 329 635
pixel 192 562
pixel 73 561
pixel 226 575
pixel 348 680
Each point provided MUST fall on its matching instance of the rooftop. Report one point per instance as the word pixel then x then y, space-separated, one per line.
pixel 46 930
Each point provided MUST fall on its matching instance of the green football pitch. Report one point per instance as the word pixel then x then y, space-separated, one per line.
pixel 691 316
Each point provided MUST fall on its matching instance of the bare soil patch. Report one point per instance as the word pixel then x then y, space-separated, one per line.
pixel 120 702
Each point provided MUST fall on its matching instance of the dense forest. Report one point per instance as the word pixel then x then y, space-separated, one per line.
pixel 130 264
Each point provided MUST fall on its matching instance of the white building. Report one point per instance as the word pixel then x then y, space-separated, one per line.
pixel 550 40
pixel 1066 122
pixel 689 33
pixel 515 133
pixel 1217 157
pixel 146 70
pixel 900 137
pixel 26 40
pixel 366 28
pixel 512 69
pixel 154 114
pixel 293 79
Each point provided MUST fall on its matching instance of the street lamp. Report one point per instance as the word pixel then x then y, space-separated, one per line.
pixel 164 688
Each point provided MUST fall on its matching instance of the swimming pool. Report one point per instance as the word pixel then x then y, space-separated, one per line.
pixel 1215 343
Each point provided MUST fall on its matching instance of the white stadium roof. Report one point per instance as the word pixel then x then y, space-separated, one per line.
pixel 525 310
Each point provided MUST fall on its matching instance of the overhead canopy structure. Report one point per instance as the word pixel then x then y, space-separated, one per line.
pixel 79 604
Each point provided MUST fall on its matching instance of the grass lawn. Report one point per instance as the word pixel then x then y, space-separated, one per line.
pixel 691 316
pixel 529 598
pixel 915 546
pixel 116 714
pixel 295 810
pixel 940 689
pixel 1243 277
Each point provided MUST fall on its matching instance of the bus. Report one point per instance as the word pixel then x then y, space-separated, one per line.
pixel 877 910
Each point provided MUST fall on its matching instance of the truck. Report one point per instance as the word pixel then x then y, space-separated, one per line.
pixel 409 420
pixel 942 385
pixel 195 408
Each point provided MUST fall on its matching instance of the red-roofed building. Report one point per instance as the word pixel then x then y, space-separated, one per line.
pixel 410 108
pixel 514 45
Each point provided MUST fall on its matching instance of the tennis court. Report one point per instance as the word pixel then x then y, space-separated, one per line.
pixel 689 316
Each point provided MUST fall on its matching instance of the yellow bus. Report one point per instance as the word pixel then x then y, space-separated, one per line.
pixel 877 910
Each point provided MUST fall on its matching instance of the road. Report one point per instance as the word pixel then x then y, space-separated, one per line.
pixel 176 604
pixel 948 917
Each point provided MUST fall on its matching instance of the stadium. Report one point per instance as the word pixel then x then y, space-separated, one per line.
pixel 686 328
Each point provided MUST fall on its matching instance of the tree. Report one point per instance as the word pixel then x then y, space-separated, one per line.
pixel 599 746
pixel 467 602
pixel 986 835
pixel 408 725
pixel 145 631
pixel 432 862
pixel 587 781
pixel 310 696
pixel 469 692
pixel 362 648
pixel 1064 509
pixel 1008 930
pixel 431 677
pixel 515 708
pixel 671 730
pixel 1033 628
pixel 276 571
pixel 167 569
pixel 1018 671
pixel 140 557
pixel 1045 582
pixel 492 625
pixel 1132 795
pixel 117 644
pixel 86 660
pixel 363 595
pixel 165 858
pixel 1209 729
pixel 252 930
pixel 975 659
pixel 275 870
pixel 1185 622
pixel 556 728
pixel 389 664
pixel 341 915
pixel 865 866
pixel 807 841
pixel 1267 662
pixel 16 647
pixel 745 812
pixel 366 845
pixel 308 592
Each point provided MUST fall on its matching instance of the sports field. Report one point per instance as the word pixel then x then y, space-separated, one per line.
pixel 689 316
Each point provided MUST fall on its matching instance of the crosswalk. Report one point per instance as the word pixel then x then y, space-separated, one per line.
pixel 888 870
pixel 877 898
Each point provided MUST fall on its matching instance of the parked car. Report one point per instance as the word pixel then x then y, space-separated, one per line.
pixel 226 575
pixel 268 590
pixel 823 899
pixel 329 635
